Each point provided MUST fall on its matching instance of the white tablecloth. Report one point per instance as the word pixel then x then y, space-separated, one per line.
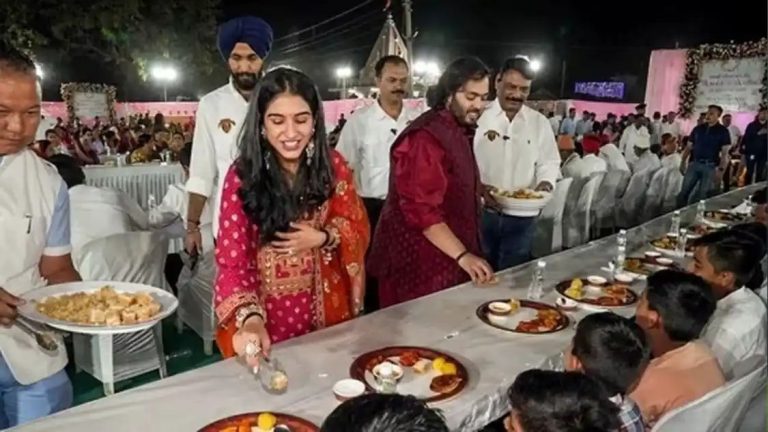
pixel 445 321
pixel 138 181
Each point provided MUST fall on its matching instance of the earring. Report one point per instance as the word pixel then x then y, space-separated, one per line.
pixel 310 152
pixel 266 161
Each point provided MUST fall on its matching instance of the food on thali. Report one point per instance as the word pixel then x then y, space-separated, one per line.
pixel 724 216
pixel 701 229
pixel 445 383
pixel 546 320
pixel 518 194
pixel 105 307
pixel 670 243
pixel 515 304
pixel 636 265
pixel 576 289
pixel 612 294
pixel 418 369
pixel 261 422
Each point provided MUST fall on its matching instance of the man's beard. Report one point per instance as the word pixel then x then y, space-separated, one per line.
pixel 245 80
pixel 461 114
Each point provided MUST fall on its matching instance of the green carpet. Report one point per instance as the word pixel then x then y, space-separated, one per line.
pixel 186 351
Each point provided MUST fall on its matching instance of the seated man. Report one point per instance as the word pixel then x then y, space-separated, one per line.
pixel 612 350
pixel 384 413
pixel 672 311
pixel 645 160
pixel 34 234
pixel 96 212
pixel 547 401
pixel 571 165
pixel 728 260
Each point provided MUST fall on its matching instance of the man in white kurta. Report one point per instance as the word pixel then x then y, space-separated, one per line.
pixel 244 42
pixel 634 134
pixel 613 158
pixel 515 149
pixel 34 233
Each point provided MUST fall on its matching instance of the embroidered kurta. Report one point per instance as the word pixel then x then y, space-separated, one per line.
pixel 299 293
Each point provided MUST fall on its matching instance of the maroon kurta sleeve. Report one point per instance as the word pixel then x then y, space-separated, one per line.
pixel 420 179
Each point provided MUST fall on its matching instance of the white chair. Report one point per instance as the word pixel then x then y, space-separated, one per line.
pixel 196 308
pixel 721 410
pixel 604 207
pixel 673 185
pixel 654 195
pixel 548 238
pixel 571 236
pixel 631 205
pixel 137 257
pixel 577 228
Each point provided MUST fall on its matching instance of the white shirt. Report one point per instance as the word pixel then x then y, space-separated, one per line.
pixel 671 128
pixel 671 161
pixel 591 164
pixel 526 158
pixel 555 123
pixel 613 158
pixel 647 161
pixel 656 133
pixel 631 136
pixel 220 115
pixel 171 214
pixel 736 330
pixel 96 213
pixel 735 133
pixel 572 167
pixel 365 142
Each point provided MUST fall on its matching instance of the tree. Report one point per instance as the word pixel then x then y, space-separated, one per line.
pixel 120 32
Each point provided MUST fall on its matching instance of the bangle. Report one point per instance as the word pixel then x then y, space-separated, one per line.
pixel 461 255
pixel 193 221
pixel 193 229
pixel 245 312
pixel 327 238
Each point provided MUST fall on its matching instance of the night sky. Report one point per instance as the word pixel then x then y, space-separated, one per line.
pixel 600 40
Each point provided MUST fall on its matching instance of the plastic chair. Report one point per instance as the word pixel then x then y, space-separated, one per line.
pixel 196 307
pixel 548 238
pixel 571 236
pixel 654 195
pixel 578 223
pixel 605 201
pixel 722 410
pixel 631 205
pixel 137 257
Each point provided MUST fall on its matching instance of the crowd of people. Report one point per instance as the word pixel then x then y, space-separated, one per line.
pixel 140 137
pixel 307 236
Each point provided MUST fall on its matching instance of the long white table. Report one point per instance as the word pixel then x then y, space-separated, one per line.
pixel 138 181
pixel 445 321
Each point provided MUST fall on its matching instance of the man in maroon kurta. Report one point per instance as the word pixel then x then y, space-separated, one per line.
pixel 428 237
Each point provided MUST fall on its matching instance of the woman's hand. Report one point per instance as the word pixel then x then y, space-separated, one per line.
pixel 254 333
pixel 477 268
pixel 303 238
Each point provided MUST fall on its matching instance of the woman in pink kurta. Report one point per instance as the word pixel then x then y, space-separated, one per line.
pixel 292 230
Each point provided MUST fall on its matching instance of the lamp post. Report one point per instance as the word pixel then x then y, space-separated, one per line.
pixel 344 73
pixel 164 74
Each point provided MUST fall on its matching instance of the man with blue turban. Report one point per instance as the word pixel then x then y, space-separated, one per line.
pixel 244 42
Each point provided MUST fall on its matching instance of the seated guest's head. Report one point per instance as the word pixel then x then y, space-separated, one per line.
pixel 177 142
pixel 145 140
pixel 384 413
pixel 728 260
pixel 69 169
pixel 674 309
pixel 668 144
pixel 761 206
pixel 642 146
pixel 610 349
pixel 548 401
pixel 565 146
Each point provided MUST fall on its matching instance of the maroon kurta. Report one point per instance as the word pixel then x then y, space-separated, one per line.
pixel 434 178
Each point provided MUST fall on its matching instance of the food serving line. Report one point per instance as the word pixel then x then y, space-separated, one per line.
pixel 446 322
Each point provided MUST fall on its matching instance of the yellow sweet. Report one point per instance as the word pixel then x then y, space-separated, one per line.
pixel 438 363
pixel 448 369
pixel 266 421
pixel 575 290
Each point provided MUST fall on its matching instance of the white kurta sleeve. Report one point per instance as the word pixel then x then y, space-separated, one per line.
pixel 349 144
pixel 202 167
pixel 548 161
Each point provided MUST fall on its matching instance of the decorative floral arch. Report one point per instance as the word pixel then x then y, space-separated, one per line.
pixel 68 91
pixel 717 52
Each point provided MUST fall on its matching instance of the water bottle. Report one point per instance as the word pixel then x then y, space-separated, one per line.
pixel 537 282
pixel 675 228
pixel 682 239
pixel 701 207
pixel 180 354
pixel 621 252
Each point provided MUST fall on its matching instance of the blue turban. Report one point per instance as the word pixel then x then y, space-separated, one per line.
pixel 247 29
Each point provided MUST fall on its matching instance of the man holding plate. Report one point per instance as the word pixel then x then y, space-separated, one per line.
pixel 515 149
pixel 34 232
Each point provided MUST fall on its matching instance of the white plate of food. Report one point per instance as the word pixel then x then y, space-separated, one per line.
pixel 98 307
pixel 521 200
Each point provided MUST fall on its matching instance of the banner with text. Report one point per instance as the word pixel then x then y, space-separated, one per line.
pixel 733 84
